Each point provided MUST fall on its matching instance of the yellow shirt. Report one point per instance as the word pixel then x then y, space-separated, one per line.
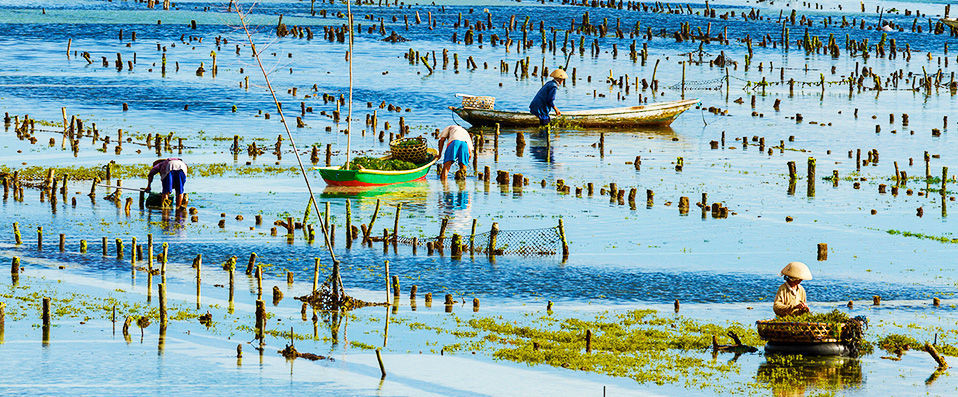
pixel 787 298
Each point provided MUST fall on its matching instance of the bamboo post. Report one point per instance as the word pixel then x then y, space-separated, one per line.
pixel 349 227
pixel 386 266
pixel 260 318
pixel 197 263
pixel 166 248
pixel 472 237
pixel 942 364
pixel 149 252
pixel 162 293
pixel 565 245
pixel 63 242
pixel 395 288
pixel 119 249
pixel 442 230
pixel 369 228
pixel 231 267
pixel 103 245
pixel 46 312
pixel 16 233
pixel 396 223
pixel 259 281
pixel 493 232
pixel 379 358
pixel 250 266
pixel 39 238
pixel 315 274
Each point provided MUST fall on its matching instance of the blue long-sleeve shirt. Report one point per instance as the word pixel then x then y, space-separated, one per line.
pixel 544 100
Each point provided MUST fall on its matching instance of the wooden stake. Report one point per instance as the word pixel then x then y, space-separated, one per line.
pixel 942 364
pixel 379 358
pixel 162 292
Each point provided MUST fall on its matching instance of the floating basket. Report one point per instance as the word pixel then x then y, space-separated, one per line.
pixel 478 102
pixel 413 150
pixel 796 332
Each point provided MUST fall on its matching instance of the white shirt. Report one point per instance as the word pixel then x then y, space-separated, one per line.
pixel 456 133
pixel 164 167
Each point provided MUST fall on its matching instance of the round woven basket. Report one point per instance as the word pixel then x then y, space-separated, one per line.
pixel 413 150
pixel 798 332
pixel 478 102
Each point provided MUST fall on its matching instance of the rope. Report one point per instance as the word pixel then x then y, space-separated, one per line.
pixel 289 134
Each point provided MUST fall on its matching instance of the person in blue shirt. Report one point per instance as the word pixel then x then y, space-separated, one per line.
pixel 544 101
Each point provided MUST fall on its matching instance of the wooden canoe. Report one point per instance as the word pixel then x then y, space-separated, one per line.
pixel 335 176
pixel 656 114
pixel 951 22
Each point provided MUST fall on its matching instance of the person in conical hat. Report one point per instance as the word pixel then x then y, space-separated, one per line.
pixel 544 101
pixel 790 298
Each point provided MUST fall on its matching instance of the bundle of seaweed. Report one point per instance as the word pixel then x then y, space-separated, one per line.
pixel 834 316
pixel 372 163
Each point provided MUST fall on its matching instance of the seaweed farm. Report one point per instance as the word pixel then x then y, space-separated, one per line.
pixel 582 257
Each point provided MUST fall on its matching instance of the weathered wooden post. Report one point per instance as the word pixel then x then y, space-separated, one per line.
pixel 810 191
pixel 565 245
pixel 162 293
pixel 493 233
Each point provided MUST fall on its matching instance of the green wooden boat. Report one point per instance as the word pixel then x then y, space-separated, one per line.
pixel 336 176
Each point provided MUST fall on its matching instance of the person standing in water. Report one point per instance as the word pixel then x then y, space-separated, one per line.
pixel 172 176
pixel 458 148
pixel 544 101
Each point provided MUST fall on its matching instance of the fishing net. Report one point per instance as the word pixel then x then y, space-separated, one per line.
pixel 713 84
pixel 545 241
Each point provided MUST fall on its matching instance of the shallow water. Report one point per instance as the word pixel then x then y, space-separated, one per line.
pixel 620 257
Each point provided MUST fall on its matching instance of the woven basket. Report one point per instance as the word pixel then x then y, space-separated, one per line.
pixel 796 332
pixel 478 102
pixel 415 152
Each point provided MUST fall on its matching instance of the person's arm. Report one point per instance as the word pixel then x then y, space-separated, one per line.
pixel 780 307
pixel 441 141
pixel 149 178
pixel 552 98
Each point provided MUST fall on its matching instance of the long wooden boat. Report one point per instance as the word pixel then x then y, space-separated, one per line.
pixel 656 114
pixel 951 22
pixel 335 176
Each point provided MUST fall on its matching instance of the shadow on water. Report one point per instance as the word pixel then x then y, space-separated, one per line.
pixel 796 375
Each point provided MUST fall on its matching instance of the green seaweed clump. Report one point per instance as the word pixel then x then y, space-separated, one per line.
pixel 834 316
pixel 893 342
pixel 373 163
pixel 637 344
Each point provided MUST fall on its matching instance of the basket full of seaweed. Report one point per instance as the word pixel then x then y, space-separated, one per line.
pixel 413 150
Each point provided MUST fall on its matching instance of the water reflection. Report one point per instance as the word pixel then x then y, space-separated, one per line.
pixel 795 375
pixel 454 203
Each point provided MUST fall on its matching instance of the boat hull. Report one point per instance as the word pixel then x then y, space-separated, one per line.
pixel 334 176
pixel 658 114
pixel 808 349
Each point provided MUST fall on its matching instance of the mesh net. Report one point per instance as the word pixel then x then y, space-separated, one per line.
pixel 713 84
pixel 520 242
pixel 544 241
